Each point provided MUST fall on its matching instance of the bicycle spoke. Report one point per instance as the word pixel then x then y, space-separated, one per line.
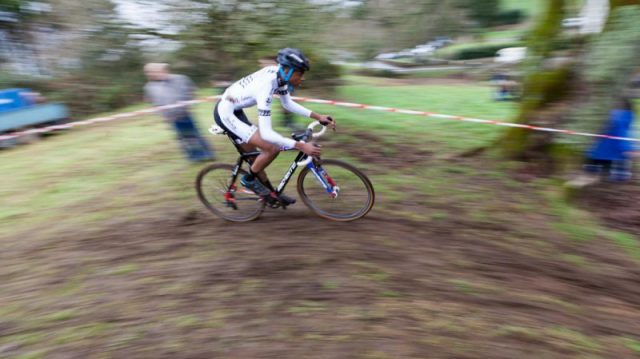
pixel 213 185
pixel 353 200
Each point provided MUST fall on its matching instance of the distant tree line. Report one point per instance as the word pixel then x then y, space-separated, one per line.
pixel 91 58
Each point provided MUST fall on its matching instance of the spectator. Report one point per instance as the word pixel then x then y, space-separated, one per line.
pixel 165 88
pixel 506 87
pixel 608 156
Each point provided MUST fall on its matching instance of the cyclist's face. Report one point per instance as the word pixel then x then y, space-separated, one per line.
pixel 297 78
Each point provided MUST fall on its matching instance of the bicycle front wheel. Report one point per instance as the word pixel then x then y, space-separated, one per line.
pixel 350 195
pixel 225 199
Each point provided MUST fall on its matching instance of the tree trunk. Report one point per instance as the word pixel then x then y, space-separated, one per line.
pixel 573 92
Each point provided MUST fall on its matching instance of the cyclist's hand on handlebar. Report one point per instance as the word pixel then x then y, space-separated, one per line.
pixel 327 121
pixel 311 149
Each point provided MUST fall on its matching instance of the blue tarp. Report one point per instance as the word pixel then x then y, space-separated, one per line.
pixel 13 99
pixel 31 116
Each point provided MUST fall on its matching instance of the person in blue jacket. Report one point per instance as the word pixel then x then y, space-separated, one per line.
pixel 613 157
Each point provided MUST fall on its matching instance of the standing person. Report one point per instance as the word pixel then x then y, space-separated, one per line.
pixel 165 88
pixel 257 89
pixel 609 156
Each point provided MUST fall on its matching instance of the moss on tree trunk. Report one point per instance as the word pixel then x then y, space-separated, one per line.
pixel 577 93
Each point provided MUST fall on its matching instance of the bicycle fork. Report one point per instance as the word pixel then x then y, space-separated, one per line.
pixel 325 180
pixel 229 196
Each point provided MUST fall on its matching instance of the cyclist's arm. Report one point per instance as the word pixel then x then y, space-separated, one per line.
pixel 264 124
pixel 292 106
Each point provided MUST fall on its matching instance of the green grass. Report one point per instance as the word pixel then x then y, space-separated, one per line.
pixel 632 344
pixel 574 340
pixel 511 35
pixel 126 269
pixel 628 242
pixel 95 166
pixel 86 178
pixel 531 8
pixel 61 316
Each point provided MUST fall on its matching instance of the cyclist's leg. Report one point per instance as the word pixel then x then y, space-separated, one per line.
pixel 250 142
pixel 262 175
pixel 268 153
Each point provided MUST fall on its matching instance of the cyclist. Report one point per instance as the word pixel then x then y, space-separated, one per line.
pixel 258 89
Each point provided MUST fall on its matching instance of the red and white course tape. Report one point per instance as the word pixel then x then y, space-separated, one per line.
pixel 318 101
pixel 460 118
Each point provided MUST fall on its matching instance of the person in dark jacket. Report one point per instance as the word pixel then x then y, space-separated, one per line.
pixel 165 88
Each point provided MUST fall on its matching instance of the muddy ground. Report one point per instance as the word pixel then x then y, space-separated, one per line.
pixel 193 287
pixel 184 284
pixel 617 204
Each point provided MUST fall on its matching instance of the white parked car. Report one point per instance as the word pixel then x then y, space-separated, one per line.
pixel 511 55
pixel 423 50
pixel 387 56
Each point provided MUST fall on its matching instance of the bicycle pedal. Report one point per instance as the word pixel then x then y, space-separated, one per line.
pixel 271 201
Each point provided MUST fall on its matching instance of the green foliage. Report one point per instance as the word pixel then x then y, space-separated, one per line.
pixel 109 72
pixel 618 3
pixel 530 8
pixel 232 36
pixel 490 12
pixel 11 5
pixel 484 12
pixel 509 17
pixel 323 73
pixel 616 47
pixel 611 59
pixel 481 51
pixel 376 26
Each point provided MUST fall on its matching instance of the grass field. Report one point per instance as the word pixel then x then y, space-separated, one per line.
pixel 107 252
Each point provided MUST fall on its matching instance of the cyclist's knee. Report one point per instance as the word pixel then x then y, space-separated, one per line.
pixel 268 147
pixel 271 149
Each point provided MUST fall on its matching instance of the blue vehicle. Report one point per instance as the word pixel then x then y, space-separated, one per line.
pixel 19 111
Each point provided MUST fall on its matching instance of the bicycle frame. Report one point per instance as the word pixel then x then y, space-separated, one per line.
pixel 327 182
pixel 321 175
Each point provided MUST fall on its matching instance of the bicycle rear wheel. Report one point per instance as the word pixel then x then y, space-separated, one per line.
pixel 225 199
pixel 353 197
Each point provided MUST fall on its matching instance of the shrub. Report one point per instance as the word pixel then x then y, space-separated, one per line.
pixel 481 51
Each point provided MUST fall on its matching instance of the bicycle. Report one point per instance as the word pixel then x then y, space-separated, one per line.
pixel 332 189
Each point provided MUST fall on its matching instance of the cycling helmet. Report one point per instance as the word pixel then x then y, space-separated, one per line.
pixel 293 59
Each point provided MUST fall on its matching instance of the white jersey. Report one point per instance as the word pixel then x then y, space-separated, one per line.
pixel 258 89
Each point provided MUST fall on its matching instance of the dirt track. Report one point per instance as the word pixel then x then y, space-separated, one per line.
pixel 196 287
pixel 616 203
pixel 483 277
